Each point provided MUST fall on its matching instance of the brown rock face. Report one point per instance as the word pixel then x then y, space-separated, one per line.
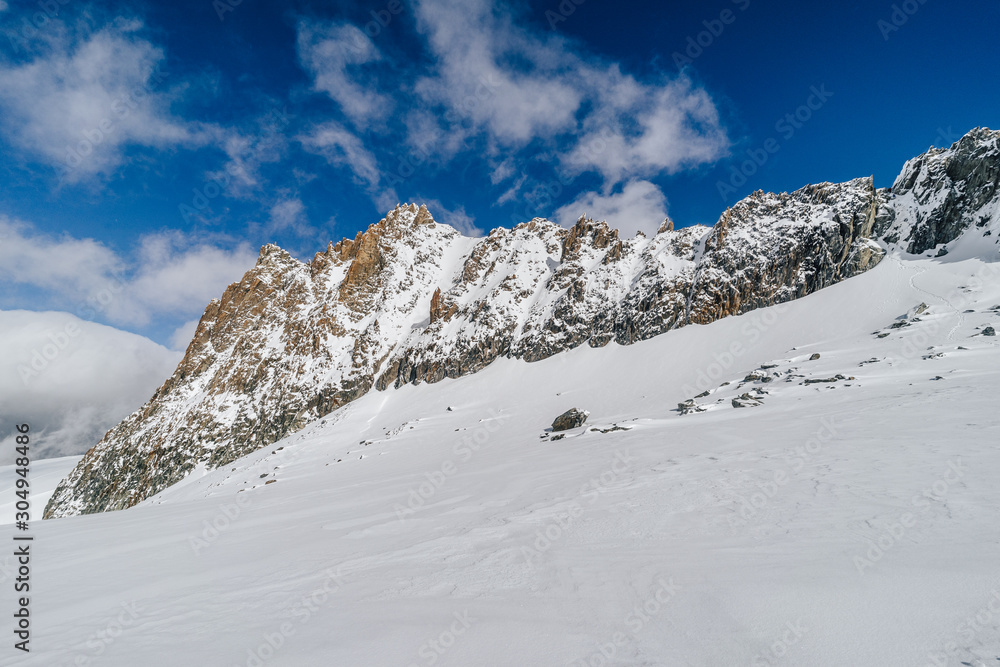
pixel 411 301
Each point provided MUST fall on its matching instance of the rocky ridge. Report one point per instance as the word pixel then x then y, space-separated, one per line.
pixel 411 300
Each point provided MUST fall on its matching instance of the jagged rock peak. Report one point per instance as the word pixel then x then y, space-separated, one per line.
pixel 939 194
pixel 597 234
pixel 411 301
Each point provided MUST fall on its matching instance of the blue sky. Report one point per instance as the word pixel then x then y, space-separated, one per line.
pixel 148 151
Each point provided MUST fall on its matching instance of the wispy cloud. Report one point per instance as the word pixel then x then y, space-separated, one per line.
pixel 334 55
pixel 82 100
pixel 170 275
pixel 494 88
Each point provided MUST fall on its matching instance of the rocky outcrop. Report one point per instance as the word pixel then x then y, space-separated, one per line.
pixel 942 193
pixel 410 300
pixel 572 418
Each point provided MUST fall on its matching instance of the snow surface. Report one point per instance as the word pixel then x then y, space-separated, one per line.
pixel 655 555
pixel 44 475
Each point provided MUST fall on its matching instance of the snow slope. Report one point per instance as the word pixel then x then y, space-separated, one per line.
pixel 45 475
pixel 398 532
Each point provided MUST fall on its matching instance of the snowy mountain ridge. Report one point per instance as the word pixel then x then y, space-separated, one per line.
pixel 411 300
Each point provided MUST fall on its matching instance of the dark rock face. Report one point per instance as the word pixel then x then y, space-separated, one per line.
pixel 943 192
pixel 572 418
pixel 411 301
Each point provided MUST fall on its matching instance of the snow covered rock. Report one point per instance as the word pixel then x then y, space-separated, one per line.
pixel 411 300
pixel 747 401
pixel 572 418
pixel 690 406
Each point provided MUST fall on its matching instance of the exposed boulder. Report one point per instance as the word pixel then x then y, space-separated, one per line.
pixel 572 418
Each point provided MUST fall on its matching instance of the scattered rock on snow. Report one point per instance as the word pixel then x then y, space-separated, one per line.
pixel 989 331
pixel 614 427
pixel 758 376
pixel 835 378
pixel 814 357
pixel 572 418
pixel 689 407
pixel 746 401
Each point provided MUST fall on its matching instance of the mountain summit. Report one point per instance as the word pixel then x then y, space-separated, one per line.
pixel 411 300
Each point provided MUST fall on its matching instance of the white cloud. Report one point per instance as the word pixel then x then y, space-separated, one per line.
pixel 72 380
pixel 327 51
pixel 676 126
pixel 287 214
pixel 495 88
pixel 84 99
pixel 66 265
pixel 495 77
pixel 474 79
pixel 171 275
pixel 176 277
pixel 182 335
pixel 640 206
pixel 3 6
pixel 343 148
pixel 456 218
pixel 247 149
